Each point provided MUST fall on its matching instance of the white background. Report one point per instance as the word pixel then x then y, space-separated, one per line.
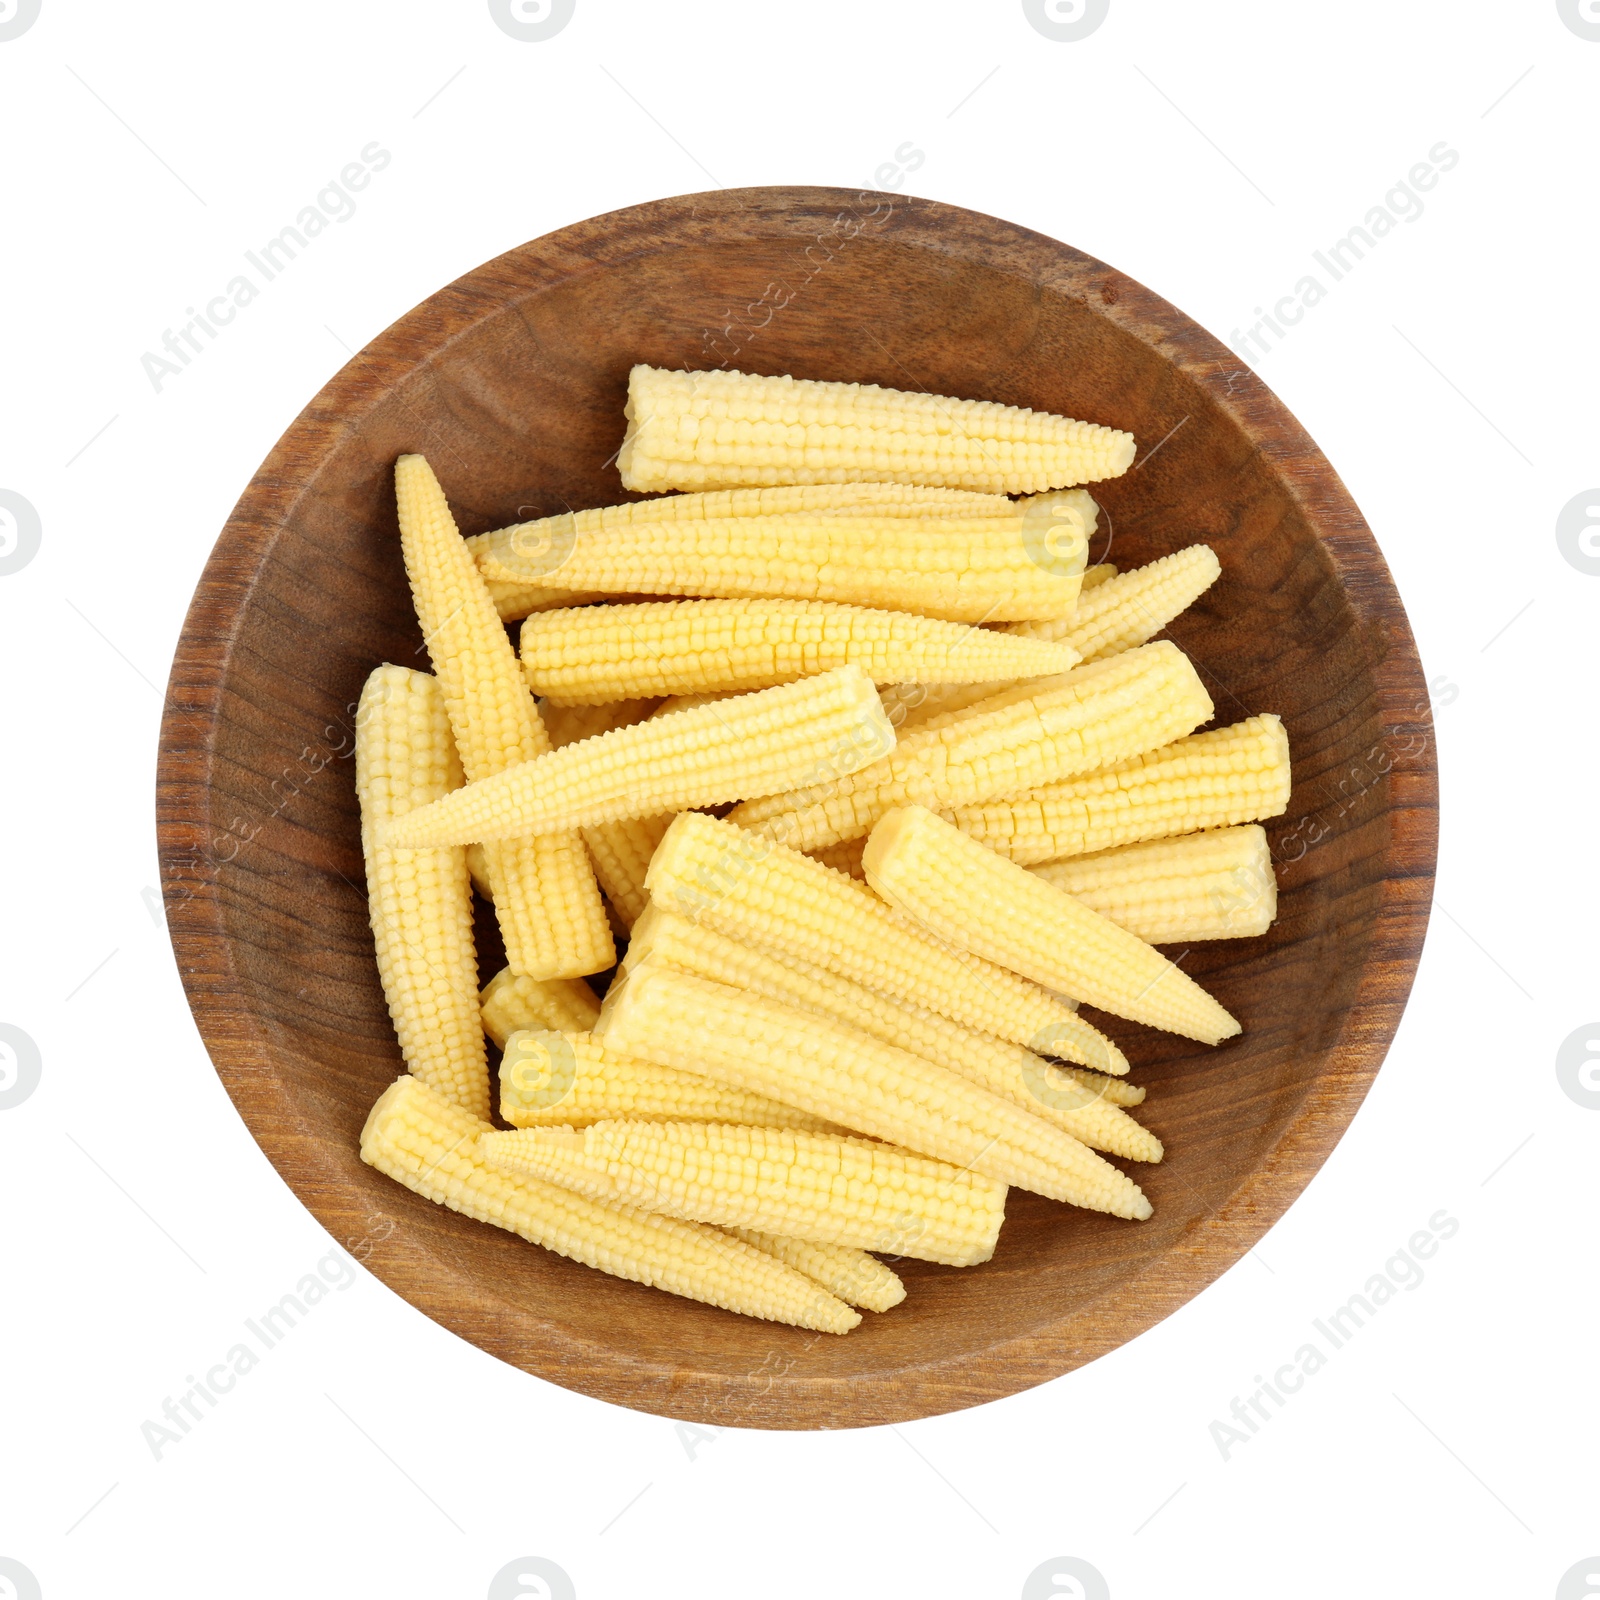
pixel 1205 150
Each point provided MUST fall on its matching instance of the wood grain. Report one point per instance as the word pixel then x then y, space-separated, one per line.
pixel 512 382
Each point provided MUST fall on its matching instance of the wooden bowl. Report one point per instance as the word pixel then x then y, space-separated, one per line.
pixel 512 382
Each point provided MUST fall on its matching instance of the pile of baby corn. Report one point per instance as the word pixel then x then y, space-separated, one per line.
pixel 966 794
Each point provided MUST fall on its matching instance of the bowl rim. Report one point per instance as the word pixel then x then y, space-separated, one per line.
pixel 243 1051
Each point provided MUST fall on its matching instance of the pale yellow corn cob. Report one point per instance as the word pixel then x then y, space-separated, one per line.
pixel 419 901
pixel 1014 741
pixel 1209 780
pixel 566 725
pixel 908 705
pixel 831 1189
pixel 964 569
pixel 514 601
pixel 855 1080
pixel 710 430
pixel 1131 609
pixel 966 893
pixel 1216 885
pixel 1084 1104
pixel 545 896
pixel 855 1277
pixel 844 857
pixel 752 744
pixel 478 871
pixel 594 654
pixel 621 854
pixel 547 541
pixel 511 1002
pixel 566 1077
pixel 793 907
pixel 688 702
pixel 421 1141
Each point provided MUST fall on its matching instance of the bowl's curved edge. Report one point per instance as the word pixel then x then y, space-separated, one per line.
pixel 192 843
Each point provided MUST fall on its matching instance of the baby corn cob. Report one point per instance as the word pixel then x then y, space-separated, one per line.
pixel 545 896
pixel 1084 1104
pixel 478 869
pixel 593 654
pixel 419 901
pixel 855 1277
pixel 966 893
pixel 511 1002
pixel 706 430
pixel 1014 741
pixel 964 569
pixel 566 725
pixel 1209 780
pixel 1129 610
pixel 547 541
pixel 1216 885
pixel 430 1146
pixel 752 744
pixel 852 1079
pixel 827 1189
pixel 1128 613
pixel 514 601
pixel 793 907
pixel 621 854
pixel 567 1078
pixel 844 857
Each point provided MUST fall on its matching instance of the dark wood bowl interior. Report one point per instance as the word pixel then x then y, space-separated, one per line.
pixel 512 382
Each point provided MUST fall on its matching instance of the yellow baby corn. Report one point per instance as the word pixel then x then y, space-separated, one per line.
pixel 752 744
pixel 478 869
pixel 1209 780
pixel 752 889
pixel 566 725
pixel 545 896
pixel 1216 885
pixel 594 654
pixel 567 1078
pixel 709 430
pixel 1014 741
pixel 430 1146
pixel 1084 1104
pixel 419 901
pixel 964 569
pixel 621 854
pixel 978 900
pixel 1133 608
pixel 830 1189
pixel 855 1277
pixel 849 1077
pixel 1093 577
pixel 546 542
pixel 844 857
pixel 511 1002
pixel 514 601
